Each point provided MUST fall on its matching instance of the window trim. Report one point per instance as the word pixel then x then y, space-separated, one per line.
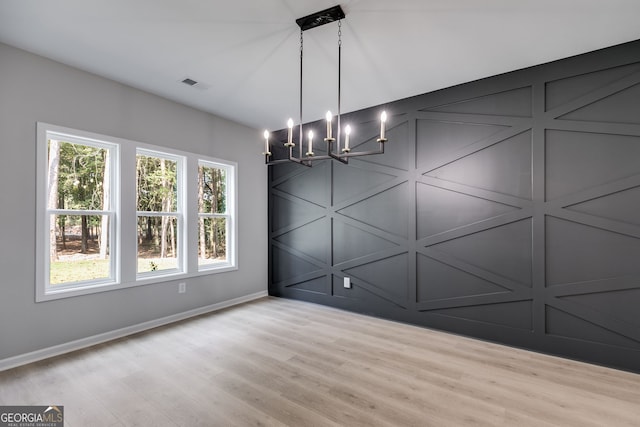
pixel 181 208
pixel 46 132
pixel 124 239
pixel 229 214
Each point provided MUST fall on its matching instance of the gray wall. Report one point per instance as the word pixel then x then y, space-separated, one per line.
pixel 504 209
pixel 34 89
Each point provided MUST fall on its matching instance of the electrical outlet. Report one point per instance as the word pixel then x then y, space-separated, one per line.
pixel 182 287
pixel 347 282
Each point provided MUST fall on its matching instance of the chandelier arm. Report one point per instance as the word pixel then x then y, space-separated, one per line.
pixel 338 157
pixel 363 153
pixel 307 160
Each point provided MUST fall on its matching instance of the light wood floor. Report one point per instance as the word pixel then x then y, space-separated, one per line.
pixel 282 362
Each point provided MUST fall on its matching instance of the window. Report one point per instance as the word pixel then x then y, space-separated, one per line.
pixel 159 206
pixel 79 212
pixel 214 215
pixel 114 213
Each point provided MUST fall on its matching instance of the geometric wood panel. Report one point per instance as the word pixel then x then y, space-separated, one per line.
pixel 348 181
pixel 440 210
pixel 580 253
pixel 512 314
pixel 287 212
pixel 351 242
pixel 621 305
pixel 566 325
pixel 288 266
pixel 298 239
pixel 504 209
pixel 387 278
pixel 620 107
pixel 447 137
pixel 504 250
pixel 622 206
pixel 504 167
pixel 578 161
pixel 567 89
pixel 387 210
pixel 513 102
pixel 439 281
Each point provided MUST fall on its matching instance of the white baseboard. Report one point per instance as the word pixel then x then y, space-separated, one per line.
pixel 56 350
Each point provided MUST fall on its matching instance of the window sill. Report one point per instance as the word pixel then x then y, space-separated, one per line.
pixel 93 288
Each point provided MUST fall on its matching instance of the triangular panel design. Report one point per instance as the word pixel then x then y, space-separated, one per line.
pixel 310 185
pixel 503 168
pixel 622 305
pixel 515 103
pixel 316 286
pixel 388 275
pixel 569 326
pixel 286 212
pixel 621 107
pixel 577 161
pixel 623 206
pixel 351 243
pixel 287 266
pixel 580 253
pixel 437 138
pixel 364 296
pixel 511 314
pixel 560 92
pixel 387 211
pixel 504 250
pixel 438 281
pixel 282 169
pixel 440 210
pixel 349 181
pixel 396 155
pixel 310 239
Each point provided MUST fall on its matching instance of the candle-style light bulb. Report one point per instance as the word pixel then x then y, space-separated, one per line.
pixel 347 132
pixel 290 134
pixel 328 116
pixel 266 141
pixel 383 119
pixel 310 142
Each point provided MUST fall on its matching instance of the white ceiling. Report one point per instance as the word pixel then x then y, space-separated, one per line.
pixel 245 53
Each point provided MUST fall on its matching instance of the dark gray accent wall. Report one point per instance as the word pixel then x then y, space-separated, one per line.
pixel 506 209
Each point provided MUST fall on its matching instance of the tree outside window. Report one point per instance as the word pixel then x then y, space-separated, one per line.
pixel 79 211
pixel 213 221
pixel 158 212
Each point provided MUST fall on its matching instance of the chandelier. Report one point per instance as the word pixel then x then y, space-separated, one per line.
pixel 337 152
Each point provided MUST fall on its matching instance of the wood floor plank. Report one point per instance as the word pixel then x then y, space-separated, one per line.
pixel 278 362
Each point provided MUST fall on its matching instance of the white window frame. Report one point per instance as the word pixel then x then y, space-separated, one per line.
pixel 44 290
pixel 179 213
pixel 123 235
pixel 229 214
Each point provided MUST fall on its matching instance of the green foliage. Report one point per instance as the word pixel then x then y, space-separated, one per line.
pixel 81 176
pixel 214 190
pixel 157 184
